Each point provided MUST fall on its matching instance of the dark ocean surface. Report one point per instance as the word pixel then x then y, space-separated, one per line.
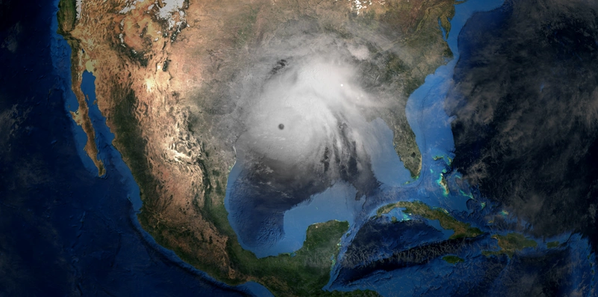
pixel 64 231
pixel 525 102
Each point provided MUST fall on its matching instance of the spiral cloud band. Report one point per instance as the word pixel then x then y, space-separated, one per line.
pixel 304 111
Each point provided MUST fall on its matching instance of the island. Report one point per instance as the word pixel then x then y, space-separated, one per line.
pixel 452 259
pixel 553 244
pixel 162 74
pixel 447 222
pixel 511 243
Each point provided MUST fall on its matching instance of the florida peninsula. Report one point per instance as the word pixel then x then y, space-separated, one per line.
pixel 167 79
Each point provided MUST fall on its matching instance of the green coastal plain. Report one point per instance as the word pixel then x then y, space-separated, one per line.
pixel 306 271
pixel 302 274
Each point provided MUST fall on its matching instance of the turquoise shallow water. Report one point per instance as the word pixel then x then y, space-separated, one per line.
pixel 435 277
pixel 335 203
pixel 426 115
pixel 431 125
pixel 434 137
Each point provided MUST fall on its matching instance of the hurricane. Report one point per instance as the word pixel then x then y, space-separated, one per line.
pixel 304 111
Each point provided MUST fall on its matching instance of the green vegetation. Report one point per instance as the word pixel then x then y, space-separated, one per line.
pixel 511 243
pixel 552 244
pixel 462 230
pixel 394 67
pixel 67 15
pixel 304 272
pixel 423 50
pixel 452 259
pixel 446 25
pixel 367 19
pixel 245 26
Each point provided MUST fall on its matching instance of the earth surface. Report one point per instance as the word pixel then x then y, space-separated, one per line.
pixel 298 148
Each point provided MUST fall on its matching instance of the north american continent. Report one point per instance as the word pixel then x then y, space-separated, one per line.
pixel 185 86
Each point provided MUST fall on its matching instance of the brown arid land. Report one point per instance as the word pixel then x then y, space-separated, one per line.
pixel 163 78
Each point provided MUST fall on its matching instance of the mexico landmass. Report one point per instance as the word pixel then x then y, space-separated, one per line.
pixel 167 77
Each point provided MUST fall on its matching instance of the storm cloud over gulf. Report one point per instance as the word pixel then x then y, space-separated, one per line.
pixel 304 111
pixel 308 117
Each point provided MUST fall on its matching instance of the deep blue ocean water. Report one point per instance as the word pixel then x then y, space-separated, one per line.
pixel 431 125
pixel 408 271
pixel 74 233
pixel 371 252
